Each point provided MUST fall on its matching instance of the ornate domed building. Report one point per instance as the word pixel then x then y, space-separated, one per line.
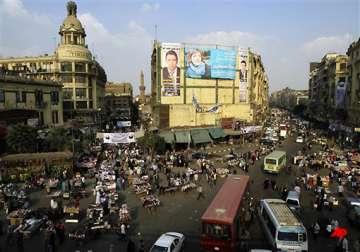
pixel 82 76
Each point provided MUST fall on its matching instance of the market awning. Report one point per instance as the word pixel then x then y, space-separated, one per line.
pixel 182 136
pixel 169 137
pixel 200 136
pixel 217 133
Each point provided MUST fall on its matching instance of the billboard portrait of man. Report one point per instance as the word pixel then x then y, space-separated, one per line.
pixel 171 74
pixel 243 71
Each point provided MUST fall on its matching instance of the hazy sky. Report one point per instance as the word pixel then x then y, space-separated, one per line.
pixel 287 33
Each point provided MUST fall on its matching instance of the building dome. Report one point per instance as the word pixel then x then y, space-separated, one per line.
pixel 71 22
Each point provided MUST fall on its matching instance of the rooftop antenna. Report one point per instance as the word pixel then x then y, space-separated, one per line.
pixel 155 32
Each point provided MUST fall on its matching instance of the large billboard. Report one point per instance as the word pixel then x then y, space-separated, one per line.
pixel 243 75
pixel 204 63
pixel 340 94
pixel 170 53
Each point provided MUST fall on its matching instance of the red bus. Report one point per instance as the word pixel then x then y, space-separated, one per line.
pixel 221 221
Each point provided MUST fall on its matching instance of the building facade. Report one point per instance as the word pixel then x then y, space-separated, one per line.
pixel 72 64
pixel 353 85
pixel 327 86
pixel 289 98
pixel 30 101
pixel 118 102
pixel 194 86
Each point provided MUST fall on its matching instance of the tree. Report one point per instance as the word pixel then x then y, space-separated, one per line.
pixel 58 139
pixel 153 142
pixel 22 138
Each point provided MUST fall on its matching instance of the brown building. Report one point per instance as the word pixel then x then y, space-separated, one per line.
pixel 118 102
pixel 353 85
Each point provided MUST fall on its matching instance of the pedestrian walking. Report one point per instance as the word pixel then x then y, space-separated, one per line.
pixel 357 245
pixel 200 191
pixel 316 230
pixel 123 232
pixel 345 245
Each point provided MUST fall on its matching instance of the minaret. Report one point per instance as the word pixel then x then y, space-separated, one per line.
pixel 142 89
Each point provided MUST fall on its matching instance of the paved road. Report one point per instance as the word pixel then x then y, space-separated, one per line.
pixel 181 212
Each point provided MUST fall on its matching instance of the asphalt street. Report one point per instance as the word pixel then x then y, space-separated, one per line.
pixel 181 212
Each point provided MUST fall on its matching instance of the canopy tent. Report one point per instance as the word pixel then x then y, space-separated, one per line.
pixel 217 133
pixel 200 136
pixel 169 137
pixel 182 136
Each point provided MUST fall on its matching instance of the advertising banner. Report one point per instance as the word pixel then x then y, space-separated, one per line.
pixel 123 124
pixel 340 94
pixel 206 63
pixel 223 64
pixel 116 138
pixel 243 85
pixel 170 53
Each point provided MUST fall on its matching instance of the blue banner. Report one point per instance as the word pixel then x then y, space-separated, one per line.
pixel 223 64
pixel 204 63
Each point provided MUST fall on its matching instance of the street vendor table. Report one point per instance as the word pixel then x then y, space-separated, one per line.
pixel 150 201
pixel 16 217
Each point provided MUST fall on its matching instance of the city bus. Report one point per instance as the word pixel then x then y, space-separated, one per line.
pixel 283 229
pixel 221 227
pixel 275 161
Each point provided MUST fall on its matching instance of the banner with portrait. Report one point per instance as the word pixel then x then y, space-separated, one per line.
pixel 340 94
pixel 243 74
pixel 170 73
pixel 205 63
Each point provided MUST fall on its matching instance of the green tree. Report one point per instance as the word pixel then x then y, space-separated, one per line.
pixel 58 139
pixel 22 138
pixel 153 143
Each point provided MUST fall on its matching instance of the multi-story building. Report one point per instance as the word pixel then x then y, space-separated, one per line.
pixel 199 85
pixel 72 63
pixel 327 86
pixel 353 85
pixel 30 101
pixel 118 102
pixel 289 98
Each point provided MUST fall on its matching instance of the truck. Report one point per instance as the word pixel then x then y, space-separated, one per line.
pixel 283 131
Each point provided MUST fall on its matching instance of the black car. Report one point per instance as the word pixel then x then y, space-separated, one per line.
pixel 199 155
pixel 266 141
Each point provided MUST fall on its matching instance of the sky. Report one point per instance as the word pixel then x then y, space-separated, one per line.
pixel 288 34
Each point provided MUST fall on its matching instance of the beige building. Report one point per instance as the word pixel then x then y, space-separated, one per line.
pixel 73 64
pixel 30 101
pixel 289 98
pixel 353 85
pixel 192 101
pixel 327 86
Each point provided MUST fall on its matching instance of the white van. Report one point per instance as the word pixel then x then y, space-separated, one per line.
pixel 282 227
pixel 293 201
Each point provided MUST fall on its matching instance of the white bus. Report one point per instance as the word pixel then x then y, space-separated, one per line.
pixel 275 161
pixel 283 229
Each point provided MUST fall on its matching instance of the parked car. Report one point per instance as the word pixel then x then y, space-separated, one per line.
pixel 266 141
pixel 198 155
pixel 299 139
pixel 168 242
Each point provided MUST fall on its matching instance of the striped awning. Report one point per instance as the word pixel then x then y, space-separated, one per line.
pixel 169 137
pixel 182 136
pixel 200 136
pixel 217 133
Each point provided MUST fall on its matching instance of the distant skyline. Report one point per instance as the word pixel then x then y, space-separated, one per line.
pixel 288 34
